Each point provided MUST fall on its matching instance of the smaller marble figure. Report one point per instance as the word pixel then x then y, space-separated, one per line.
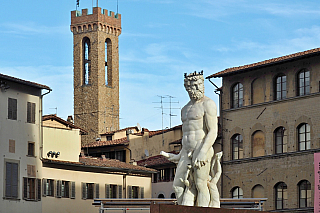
pixel 195 182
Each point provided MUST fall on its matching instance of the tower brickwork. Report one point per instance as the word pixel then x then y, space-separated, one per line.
pixel 96 71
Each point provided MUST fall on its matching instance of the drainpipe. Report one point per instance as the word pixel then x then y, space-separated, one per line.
pixel 221 125
pixel 41 131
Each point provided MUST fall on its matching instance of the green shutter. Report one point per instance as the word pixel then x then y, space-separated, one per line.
pixel 107 190
pixel 119 191
pixel 44 187
pixel 129 191
pixel 73 190
pixel 38 189
pixel 58 189
pixel 97 190
pixel 141 189
pixel 84 191
pixel 25 188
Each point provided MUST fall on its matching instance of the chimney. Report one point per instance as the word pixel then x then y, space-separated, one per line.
pixel 70 119
pixel 103 157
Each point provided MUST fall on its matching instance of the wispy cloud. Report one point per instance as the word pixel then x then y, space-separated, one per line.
pixel 31 28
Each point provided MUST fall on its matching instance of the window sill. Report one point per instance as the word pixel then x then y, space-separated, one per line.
pixel 273 156
pixel 31 156
pixel 272 102
pixel 11 198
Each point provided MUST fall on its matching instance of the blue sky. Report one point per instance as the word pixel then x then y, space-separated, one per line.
pixel 160 40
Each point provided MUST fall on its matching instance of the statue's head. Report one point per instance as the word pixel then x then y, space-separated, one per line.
pixel 194 84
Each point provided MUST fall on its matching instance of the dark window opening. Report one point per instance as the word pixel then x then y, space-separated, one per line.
pixel 12 109
pixel 11 190
pixel 31 112
pixel 108 61
pixel 280 136
pixel 31 149
pixel 86 60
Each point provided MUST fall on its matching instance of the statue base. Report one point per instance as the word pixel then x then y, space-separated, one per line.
pixel 164 208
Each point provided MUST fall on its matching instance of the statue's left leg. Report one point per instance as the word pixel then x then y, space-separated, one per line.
pixel 201 177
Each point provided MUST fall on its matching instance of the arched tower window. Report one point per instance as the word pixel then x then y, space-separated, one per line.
pixel 237 147
pixel 280 87
pixel 303 82
pixel 304 136
pixel 304 194
pixel 108 61
pixel 281 195
pixel 281 140
pixel 237 95
pixel 86 60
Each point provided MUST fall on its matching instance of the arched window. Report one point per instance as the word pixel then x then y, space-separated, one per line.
pixel 258 191
pixel 303 82
pixel 304 194
pixel 161 196
pixel 108 61
pixel 237 147
pixel 281 195
pixel 258 144
pixel 237 193
pixel 304 136
pixel 280 139
pixel 237 95
pixel 86 60
pixel 173 195
pixel 280 87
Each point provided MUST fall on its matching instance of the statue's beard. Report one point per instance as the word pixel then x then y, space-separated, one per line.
pixel 195 94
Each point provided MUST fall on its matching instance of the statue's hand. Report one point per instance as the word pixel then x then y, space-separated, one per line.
pixel 200 160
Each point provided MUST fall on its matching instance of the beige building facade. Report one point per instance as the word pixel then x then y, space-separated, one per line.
pixel 20 144
pixel 270 130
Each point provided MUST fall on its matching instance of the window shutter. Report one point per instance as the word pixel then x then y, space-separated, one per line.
pixel 107 190
pixel 25 188
pixel 33 113
pixel 44 187
pixel 141 189
pixel 58 191
pixel 119 191
pixel 129 191
pixel 8 179
pixel 14 180
pixel 39 190
pixel 97 190
pixel 73 190
pixel 28 112
pixel 84 191
pixel 12 109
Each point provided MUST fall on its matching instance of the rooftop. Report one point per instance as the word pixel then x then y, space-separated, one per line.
pixel 28 83
pixel 154 161
pixel 106 143
pixel 270 62
pixel 64 122
pixel 104 164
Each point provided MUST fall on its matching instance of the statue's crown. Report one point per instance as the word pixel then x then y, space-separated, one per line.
pixel 195 73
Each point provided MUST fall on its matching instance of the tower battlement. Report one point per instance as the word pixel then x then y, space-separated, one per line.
pixel 98 20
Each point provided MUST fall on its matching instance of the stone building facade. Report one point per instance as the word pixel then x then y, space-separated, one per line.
pixel 270 124
pixel 96 71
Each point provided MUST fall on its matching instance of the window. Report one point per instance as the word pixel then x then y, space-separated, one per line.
pixel 31 170
pixel 65 188
pixel 173 195
pixel 12 180
pixel 48 187
pixel 119 155
pixel 12 109
pixel 280 87
pixel 237 95
pixel 31 149
pixel 90 190
pixel 31 189
pixel 161 196
pixel 31 112
pixel 113 191
pixel 135 192
pixel 12 146
pixel 304 194
pixel 304 137
pixel 280 137
pixel 86 60
pixel 281 195
pixel 303 82
pixel 108 61
pixel 237 147
pixel 237 193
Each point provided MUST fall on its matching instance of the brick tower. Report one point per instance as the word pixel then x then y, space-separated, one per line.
pixel 96 71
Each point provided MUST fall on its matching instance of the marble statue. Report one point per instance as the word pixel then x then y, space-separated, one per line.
pixel 195 182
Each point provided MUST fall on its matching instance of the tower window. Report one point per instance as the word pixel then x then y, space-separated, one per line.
pixel 303 82
pixel 280 87
pixel 237 95
pixel 86 60
pixel 108 61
